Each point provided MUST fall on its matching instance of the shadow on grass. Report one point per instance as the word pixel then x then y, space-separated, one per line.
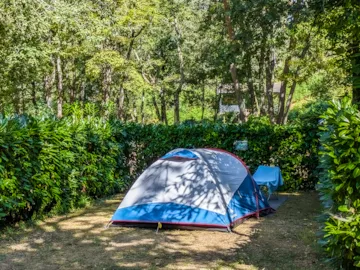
pixel 284 240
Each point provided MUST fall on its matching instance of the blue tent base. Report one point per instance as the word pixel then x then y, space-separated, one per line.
pixel 168 226
pixel 189 226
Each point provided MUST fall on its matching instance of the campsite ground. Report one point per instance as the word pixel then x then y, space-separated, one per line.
pixel 284 240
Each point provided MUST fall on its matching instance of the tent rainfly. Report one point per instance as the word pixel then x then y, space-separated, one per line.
pixel 193 188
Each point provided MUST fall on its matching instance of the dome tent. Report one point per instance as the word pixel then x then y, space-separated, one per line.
pixel 208 188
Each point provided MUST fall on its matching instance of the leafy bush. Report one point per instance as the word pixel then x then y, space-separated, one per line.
pixel 55 165
pixel 340 183
pixel 293 148
pixel 308 113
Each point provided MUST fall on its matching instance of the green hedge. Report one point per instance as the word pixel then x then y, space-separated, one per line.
pixel 293 148
pixel 55 165
pixel 340 184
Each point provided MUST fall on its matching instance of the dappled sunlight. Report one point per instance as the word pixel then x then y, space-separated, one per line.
pixel 39 241
pixel 23 247
pixel 80 241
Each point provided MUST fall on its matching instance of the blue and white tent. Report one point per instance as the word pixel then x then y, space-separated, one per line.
pixel 208 188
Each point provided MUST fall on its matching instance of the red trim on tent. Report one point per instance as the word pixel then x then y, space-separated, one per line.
pixel 250 215
pixel 172 223
pixel 192 224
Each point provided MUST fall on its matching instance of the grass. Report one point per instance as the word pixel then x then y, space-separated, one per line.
pixel 284 240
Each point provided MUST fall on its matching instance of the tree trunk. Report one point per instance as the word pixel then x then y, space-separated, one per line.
pixel 33 93
pixel 203 101
pixel 217 102
pixel 355 74
pixel 142 107
pixel 254 104
pixel 48 84
pixel 285 74
pixel 288 102
pixel 82 93
pixel 126 100
pixel 262 89
pixel 17 100
pixel 239 98
pixel 177 107
pixel 120 103
pixel 182 75
pixel 73 88
pixel 230 29
pixel 106 87
pixel 293 86
pixel 120 100
pixel 22 100
pixel 134 115
pixel 157 111
pixel 250 85
pixel 163 106
pixel 233 69
pixel 59 88
pixel 270 67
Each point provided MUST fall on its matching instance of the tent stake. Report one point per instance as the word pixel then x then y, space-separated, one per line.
pixel 108 225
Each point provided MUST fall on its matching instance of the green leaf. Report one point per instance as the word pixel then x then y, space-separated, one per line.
pixel 356 172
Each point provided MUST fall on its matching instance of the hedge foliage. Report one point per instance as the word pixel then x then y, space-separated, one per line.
pixel 55 165
pixel 293 148
pixel 340 184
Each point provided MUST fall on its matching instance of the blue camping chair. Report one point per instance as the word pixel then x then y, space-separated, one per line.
pixel 270 177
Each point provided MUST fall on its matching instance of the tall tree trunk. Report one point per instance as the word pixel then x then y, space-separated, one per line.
pixel 177 107
pixel 262 89
pixel 120 103
pixel 33 93
pixel 120 100
pixel 285 74
pixel 73 88
pixel 182 74
pixel 17 100
pixel 106 87
pixel 355 52
pixel 254 104
pixel 157 110
pixel 239 98
pixel 270 67
pixel 163 106
pixel 22 93
pixel 233 69
pixel 203 101
pixel 250 84
pixel 142 107
pixel 126 101
pixel 294 83
pixel 59 87
pixel 217 102
pixel 134 115
pixel 82 94
pixel 48 84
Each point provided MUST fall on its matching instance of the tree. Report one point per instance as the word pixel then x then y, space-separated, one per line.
pixel 341 18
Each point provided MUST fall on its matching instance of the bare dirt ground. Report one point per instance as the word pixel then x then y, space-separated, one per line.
pixel 284 240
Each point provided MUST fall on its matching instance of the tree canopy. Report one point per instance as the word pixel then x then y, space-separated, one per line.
pixel 165 61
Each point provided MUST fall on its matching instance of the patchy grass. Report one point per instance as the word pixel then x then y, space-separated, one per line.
pixel 285 240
